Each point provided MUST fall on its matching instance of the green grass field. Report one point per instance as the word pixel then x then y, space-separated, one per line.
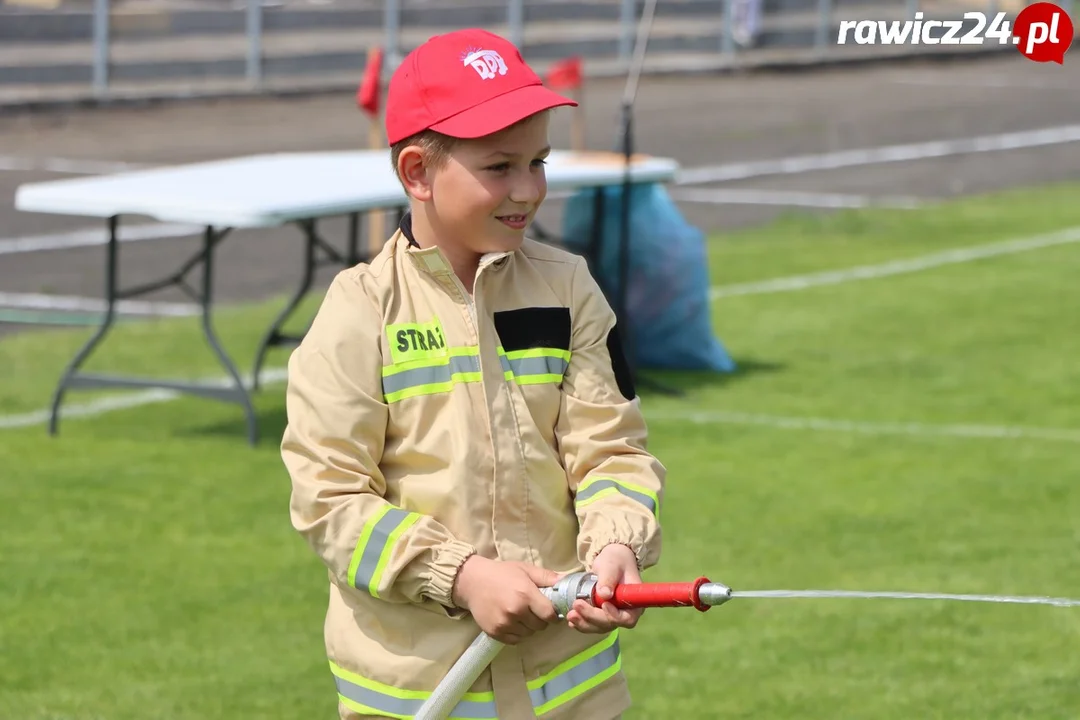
pixel 148 569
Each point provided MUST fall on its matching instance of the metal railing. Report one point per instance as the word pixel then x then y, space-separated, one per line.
pixel 253 46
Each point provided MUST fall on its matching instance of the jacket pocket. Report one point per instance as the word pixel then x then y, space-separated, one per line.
pixel 534 344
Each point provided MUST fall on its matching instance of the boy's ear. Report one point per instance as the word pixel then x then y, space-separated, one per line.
pixel 415 173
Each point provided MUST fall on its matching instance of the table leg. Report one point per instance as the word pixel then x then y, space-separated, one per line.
pixel 99 334
pixel 274 337
pixel 239 394
pixel 353 257
pixel 313 244
pixel 233 391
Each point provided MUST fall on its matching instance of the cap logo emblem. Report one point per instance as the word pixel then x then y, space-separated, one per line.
pixel 486 63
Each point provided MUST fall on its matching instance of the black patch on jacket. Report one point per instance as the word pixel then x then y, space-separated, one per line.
pixel 623 376
pixel 534 327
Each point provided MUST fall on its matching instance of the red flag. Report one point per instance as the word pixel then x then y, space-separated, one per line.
pixel 368 94
pixel 565 74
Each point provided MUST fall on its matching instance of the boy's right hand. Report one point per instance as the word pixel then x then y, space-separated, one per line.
pixel 504 597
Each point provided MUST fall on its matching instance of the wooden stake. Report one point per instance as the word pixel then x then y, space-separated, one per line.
pixel 376 219
pixel 577 121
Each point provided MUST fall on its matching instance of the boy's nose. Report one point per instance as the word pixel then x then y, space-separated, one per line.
pixel 526 191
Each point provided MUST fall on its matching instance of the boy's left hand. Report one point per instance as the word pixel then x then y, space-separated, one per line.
pixel 614 565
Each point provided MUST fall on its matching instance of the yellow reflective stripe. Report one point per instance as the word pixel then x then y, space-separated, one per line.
pixel 597 487
pixel 598 495
pixel 565 682
pixel 362 543
pixel 395 368
pixel 538 352
pixel 579 690
pixel 434 388
pixel 534 379
pixel 574 661
pixel 430 376
pixel 375 545
pixel 576 676
pixel 391 691
pixel 508 372
pixel 369 697
pixel 388 550
pixel 534 366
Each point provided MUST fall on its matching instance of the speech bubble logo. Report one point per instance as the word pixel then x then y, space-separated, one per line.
pixel 1043 32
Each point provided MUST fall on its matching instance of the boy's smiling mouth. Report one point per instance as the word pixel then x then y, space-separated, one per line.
pixel 517 222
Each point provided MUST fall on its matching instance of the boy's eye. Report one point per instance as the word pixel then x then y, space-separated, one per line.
pixel 505 166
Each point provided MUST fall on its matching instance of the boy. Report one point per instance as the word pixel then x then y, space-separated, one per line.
pixel 462 427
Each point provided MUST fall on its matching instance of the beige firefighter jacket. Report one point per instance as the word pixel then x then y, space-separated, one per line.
pixel 424 426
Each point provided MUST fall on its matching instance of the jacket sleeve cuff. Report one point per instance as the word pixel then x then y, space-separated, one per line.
pixel 448 559
pixel 594 543
pixel 596 550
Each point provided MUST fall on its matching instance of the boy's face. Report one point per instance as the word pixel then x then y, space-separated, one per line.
pixel 489 189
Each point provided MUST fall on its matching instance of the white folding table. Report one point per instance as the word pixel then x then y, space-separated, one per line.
pixel 258 192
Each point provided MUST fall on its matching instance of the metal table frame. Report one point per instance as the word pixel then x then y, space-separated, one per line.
pixel 235 392
pixel 585 175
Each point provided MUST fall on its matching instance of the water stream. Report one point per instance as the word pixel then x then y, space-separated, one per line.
pixel 762 594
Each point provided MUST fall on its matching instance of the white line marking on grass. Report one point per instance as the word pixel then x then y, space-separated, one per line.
pixel 70 303
pixel 709 173
pixel 897 267
pixel 65 165
pixel 124 401
pixel 90 409
pixel 719 196
pixel 870 428
pixel 883 154
pixel 88 237
pixel 971 81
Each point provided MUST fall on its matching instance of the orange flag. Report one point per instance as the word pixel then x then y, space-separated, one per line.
pixel 565 74
pixel 368 94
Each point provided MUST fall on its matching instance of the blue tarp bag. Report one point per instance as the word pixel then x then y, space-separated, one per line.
pixel 668 299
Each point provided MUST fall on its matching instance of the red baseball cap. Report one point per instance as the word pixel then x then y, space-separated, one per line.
pixel 465 84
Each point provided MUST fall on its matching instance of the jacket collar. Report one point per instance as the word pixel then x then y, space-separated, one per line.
pixel 405 226
pixel 432 259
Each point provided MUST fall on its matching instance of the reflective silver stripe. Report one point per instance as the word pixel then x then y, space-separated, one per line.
pixel 605 484
pixel 443 373
pixel 408 707
pixel 538 366
pixel 575 676
pixel 505 364
pixel 375 545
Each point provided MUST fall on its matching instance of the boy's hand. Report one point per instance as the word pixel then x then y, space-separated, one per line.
pixel 614 565
pixel 504 597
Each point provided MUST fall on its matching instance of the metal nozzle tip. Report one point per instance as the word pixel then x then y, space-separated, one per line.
pixel 569 588
pixel 714 593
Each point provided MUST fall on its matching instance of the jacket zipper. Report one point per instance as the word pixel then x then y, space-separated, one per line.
pixel 469 298
pixel 470 303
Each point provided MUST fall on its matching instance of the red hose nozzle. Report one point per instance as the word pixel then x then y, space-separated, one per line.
pixel 701 594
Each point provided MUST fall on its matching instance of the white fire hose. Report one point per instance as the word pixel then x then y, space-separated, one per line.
pixel 701 594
